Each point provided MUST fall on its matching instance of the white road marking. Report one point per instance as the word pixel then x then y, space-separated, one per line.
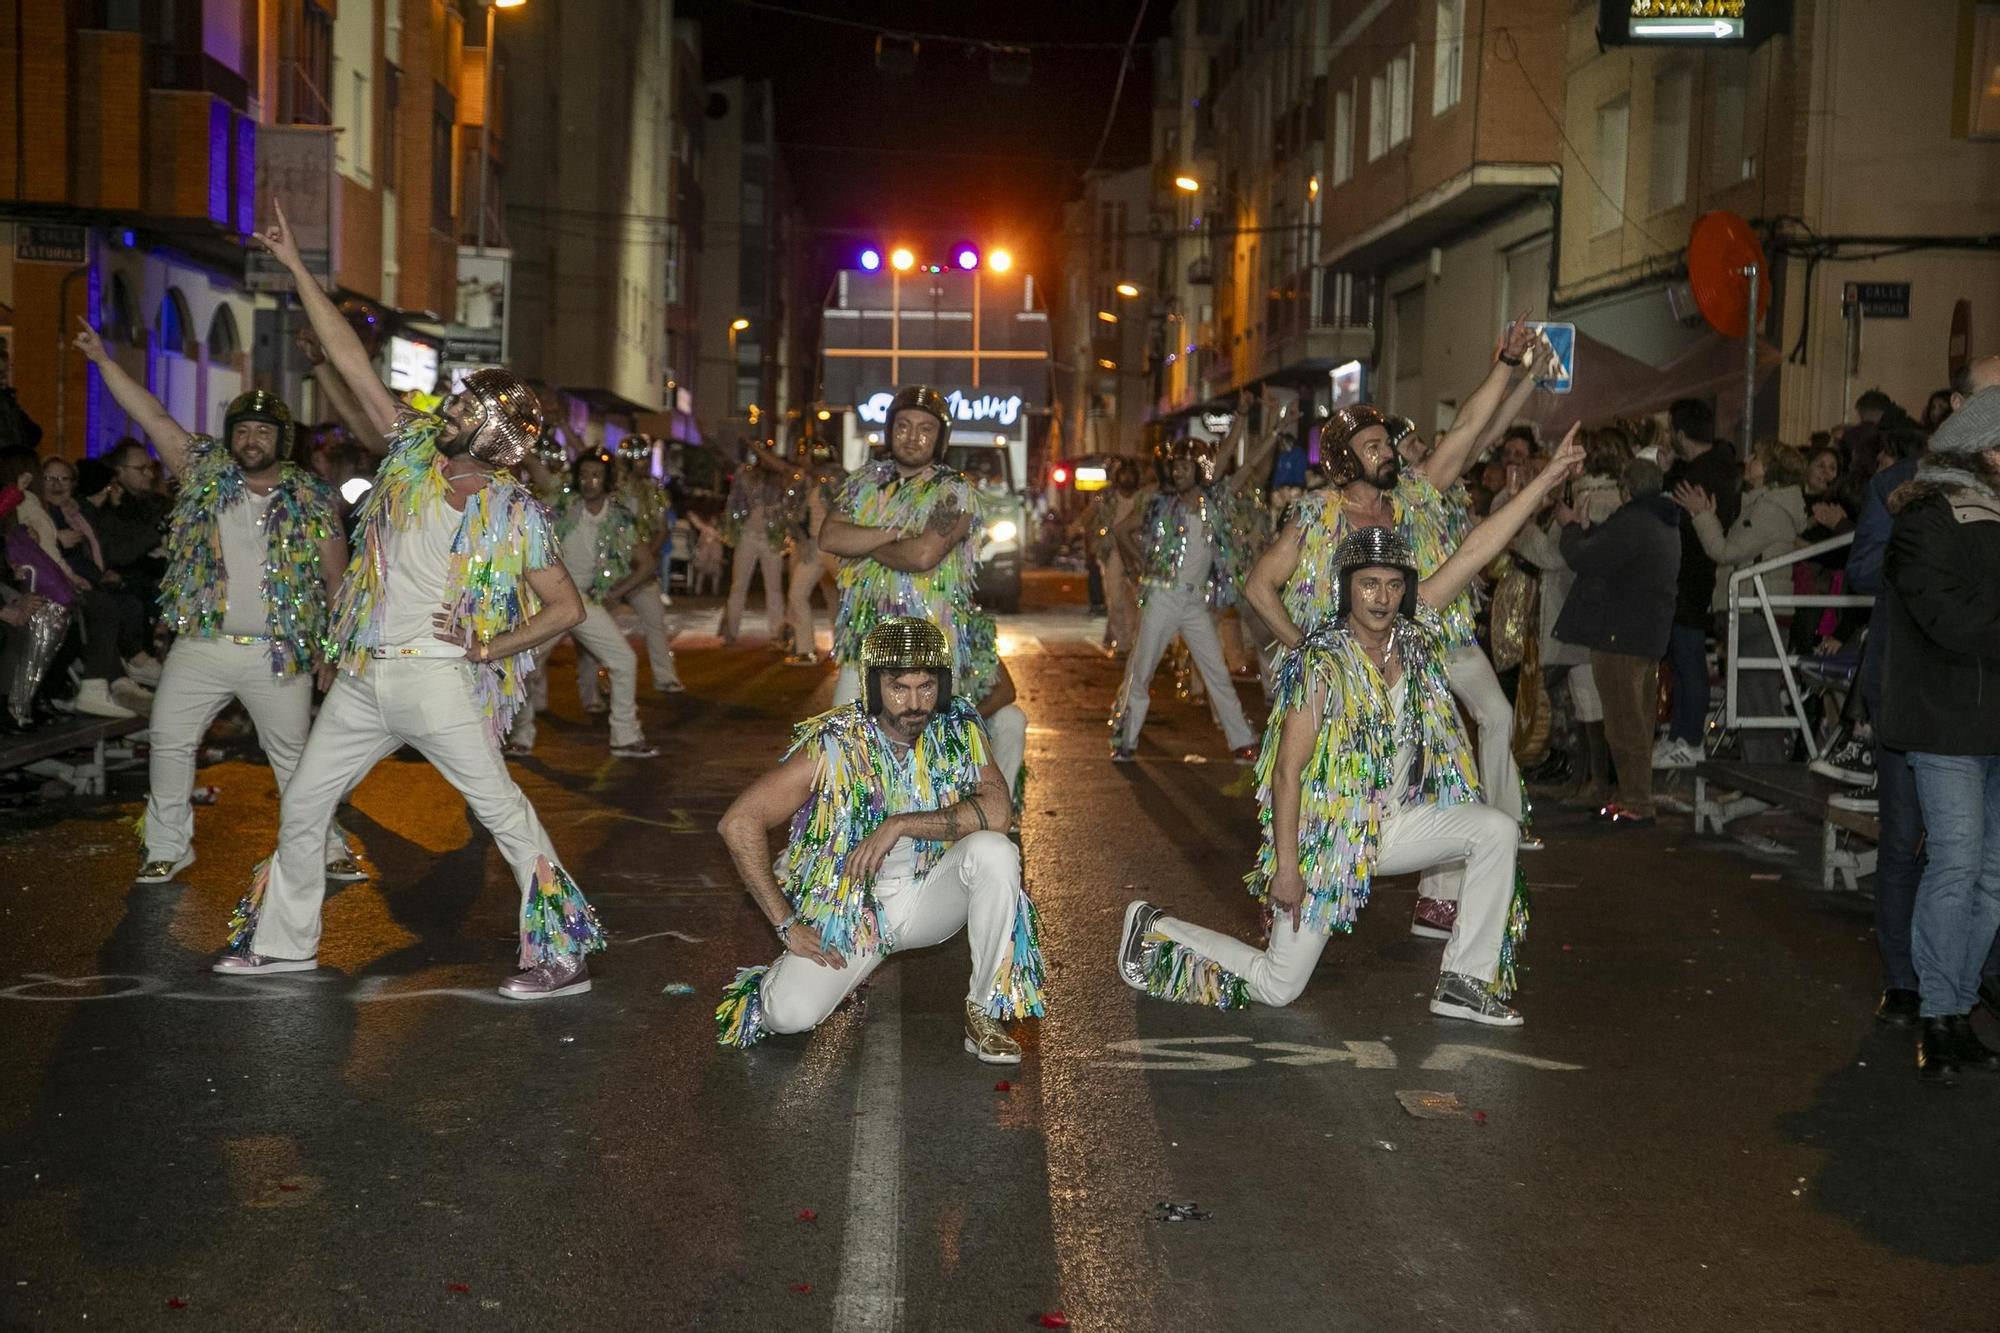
pixel 870 1296
pixel 1456 1057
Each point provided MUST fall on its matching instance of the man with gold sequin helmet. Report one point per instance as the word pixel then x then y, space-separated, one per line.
pixel 898 819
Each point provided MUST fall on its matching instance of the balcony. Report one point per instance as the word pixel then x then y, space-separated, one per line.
pixel 1324 317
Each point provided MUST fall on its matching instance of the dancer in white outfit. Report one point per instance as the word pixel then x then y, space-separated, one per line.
pixel 457 579
pixel 254 557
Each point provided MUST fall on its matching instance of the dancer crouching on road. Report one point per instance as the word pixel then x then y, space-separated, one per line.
pixel 456 579
pixel 898 822
pixel 1365 770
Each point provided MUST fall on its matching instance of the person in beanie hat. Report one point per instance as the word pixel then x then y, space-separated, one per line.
pixel 1940 618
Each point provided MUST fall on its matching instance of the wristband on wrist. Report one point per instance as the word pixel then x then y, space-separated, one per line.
pixel 1507 360
pixel 784 928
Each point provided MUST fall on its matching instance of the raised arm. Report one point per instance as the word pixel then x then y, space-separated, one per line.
pixel 1510 410
pixel 1266 585
pixel 768 803
pixel 1447 462
pixel 1490 538
pixel 1257 463
pixel 145 410
pixel 378 407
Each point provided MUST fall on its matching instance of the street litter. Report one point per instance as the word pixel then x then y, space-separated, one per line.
pixel 1426 1105
pixel 1180 1212
pixel 677 988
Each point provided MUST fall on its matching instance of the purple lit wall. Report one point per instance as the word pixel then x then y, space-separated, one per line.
pixel 218 162
pixel 246 174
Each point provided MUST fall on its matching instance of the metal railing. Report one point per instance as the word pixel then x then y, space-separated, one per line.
pixel 1749 593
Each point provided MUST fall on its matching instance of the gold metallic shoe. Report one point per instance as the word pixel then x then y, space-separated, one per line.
pixel 345 870
pixel 985 1038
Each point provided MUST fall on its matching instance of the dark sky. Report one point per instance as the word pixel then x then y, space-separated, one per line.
pixel 945 149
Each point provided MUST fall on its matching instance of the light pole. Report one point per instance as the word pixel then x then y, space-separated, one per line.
pixel 486 113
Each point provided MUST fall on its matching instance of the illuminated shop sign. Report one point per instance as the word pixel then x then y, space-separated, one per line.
pixel 974 408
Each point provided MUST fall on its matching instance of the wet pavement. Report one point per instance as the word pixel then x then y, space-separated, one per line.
pixel 1700 1126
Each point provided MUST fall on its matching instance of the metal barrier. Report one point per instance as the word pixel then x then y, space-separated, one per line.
pixel 1748 593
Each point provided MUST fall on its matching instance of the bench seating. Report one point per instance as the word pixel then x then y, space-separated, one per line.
pixel 1760 787
pixel 72 750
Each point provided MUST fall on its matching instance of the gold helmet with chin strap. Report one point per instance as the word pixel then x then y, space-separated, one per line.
pixel 259 405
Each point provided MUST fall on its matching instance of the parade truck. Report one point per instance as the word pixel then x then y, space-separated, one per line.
pixel 977 333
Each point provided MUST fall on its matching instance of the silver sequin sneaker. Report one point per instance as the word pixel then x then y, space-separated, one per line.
pixel 545 981
pixel 257 965
pixel 1139 919
pixel 1460 996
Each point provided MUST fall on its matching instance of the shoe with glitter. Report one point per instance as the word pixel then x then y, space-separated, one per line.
pixel 256 964
pixel 1460 996
pixel 985 1038
pixel 545 981
pixel 163 872
pixel 1139 919
pixel 1433 919
pixel 345 870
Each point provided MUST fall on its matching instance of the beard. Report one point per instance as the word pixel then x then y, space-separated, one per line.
pixel 1387 475
pixel 456 444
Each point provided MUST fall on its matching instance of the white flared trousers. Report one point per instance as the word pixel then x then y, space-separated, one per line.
pixel 198 680
pixel 754 552
pixel 1171 611
pixel 1414 838
pixel 598 640
pixel 810 570
pixel 973 887
pixel 419 701
pixel 652 617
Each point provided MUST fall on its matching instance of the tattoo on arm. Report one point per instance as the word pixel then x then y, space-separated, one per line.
pixel 948 824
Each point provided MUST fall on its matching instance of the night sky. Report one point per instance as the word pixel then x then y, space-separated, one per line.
pixel 944 153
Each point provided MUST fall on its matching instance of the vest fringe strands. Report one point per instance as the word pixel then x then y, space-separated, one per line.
pixel 1505 977
pixel 647 502
pixel 1175 972
pixel 557 924
pixel 618 537
pixel 503 533
pixel 1019 988
pixel 1421 515
pixel 739 1019
pixel 1347 785
pixel 979 650
pixel 751 487
pixel 857 783
pixel 195 594
pixel 870 592
pixel 1163 539
pixel 243 920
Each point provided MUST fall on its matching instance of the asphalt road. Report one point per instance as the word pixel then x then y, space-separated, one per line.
pixel 1700 1126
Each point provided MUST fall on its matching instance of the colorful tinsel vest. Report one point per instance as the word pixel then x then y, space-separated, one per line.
pixel 1163 540
pixel 1422 516
pixel 194 596
pixel 502 534
pixel 752 489
pixel 649 502
pixel 617 540
pixel 876 496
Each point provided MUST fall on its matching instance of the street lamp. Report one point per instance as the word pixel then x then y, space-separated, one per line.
pixel 1126 289
pixel 999 261
pixel 1187 183
pixel 486 113
pixel 902 260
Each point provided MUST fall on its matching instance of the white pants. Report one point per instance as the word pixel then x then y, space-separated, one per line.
pixel 1171 611
pixel 1121 604
pixel 652 617
pixel 1583 695
pixel 423 701
pixel 1414 838
pixel 598 639
pixel 809 570
pixel 1008 730
pixel 197 681
pixel 1473 681
pixel 754 552
pixel 973 887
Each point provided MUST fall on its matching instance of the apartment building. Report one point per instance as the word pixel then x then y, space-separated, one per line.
pixel 1107 330
pixel 146 142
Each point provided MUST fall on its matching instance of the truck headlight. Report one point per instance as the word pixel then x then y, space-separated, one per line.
pixel 1002 531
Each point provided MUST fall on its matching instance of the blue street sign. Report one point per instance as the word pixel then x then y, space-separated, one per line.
pixel 1562 337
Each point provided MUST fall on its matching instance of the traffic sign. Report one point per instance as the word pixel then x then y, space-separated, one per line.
pixel 1691 22
pixel 1562 339
pixel 49 243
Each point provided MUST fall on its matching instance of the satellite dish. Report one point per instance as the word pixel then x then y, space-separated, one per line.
pixel 1720 248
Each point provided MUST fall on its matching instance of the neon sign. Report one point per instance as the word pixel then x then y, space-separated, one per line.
pixel 993 408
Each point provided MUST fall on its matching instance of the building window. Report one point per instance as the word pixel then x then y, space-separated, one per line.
pixel 170 327
pixel 1729 158
pixel 1612 120
pixel 1343 134
pixel 1673 98
pixel 223 342
pixel 1378 115
pixel 1983 94
pixel 1449 62
pixel 443 114
pixel 308 75
pixel 1401 91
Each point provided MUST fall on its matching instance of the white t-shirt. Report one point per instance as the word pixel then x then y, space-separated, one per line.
pixel 1199 553
pixel 579 545
pixel 419 582
pixel 246 547
pixel 1406 752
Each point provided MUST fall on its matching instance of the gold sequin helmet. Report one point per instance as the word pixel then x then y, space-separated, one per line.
pixel 905 643
pixel 1337 458
pixel 258 405
pixel 921 398
pixel 511 415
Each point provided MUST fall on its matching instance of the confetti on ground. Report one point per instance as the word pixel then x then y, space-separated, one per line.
pixel 807 1215
pixel 176 1303
pixel 567 1041
pixel 1180 1212
pixel 459 1288
pixel 1427 1105
pixel 1053 1319
pixel 1479 1117
pixel 1194 759
pixel 1003 1086
pixel 803 1288
pixel 1385 1145
pixel 677 988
